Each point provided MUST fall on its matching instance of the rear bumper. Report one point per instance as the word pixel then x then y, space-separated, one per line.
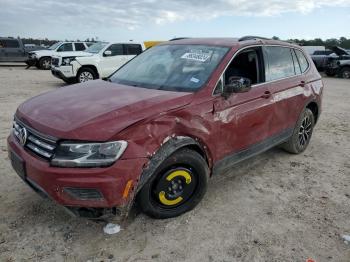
pixel 56 183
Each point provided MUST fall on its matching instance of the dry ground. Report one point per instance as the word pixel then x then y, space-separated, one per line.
pixel 274 207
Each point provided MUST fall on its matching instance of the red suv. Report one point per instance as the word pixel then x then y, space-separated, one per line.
pixel 162 124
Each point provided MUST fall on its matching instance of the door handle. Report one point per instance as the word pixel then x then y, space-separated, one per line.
pixel 267 94
pixel 302 83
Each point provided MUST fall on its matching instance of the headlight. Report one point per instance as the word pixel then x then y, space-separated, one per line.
pixel 88 154
pixel 67 60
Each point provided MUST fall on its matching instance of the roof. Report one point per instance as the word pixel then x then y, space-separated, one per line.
pixel 227 42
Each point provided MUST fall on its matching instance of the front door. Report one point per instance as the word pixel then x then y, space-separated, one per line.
pixel 111 62
pixel 244 119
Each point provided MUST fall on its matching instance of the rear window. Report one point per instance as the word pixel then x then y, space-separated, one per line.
pixel 133 49
pixel 304 64
pixel 279 63
pixel 9 44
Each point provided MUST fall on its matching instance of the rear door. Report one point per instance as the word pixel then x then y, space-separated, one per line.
pixel 132 50
pixel 286 84
pixel 110 63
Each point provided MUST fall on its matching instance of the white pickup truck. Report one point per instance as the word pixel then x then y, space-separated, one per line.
pixel 99 61
pixel 42 58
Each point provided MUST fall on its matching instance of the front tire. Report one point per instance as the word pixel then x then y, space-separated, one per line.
pixel 86 74
pixel 177 186
pixel 345 72
pixel 302 133
pixel 45 63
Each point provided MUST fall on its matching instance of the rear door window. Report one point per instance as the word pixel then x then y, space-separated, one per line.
pixel 279 63
pixel 79 46
pixel 304 64
pixel 133 49
pixel 116 49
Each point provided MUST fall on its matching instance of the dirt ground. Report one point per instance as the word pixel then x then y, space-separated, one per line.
pixel 273 207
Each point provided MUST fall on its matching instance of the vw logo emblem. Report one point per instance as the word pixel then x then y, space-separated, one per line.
pixel 22 136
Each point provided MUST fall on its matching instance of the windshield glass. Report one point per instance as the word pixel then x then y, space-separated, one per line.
pixel 97 47
pixel 54 46
pixel 171 67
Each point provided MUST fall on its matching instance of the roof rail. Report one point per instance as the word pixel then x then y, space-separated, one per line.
pixel 251 37
pixel 178 38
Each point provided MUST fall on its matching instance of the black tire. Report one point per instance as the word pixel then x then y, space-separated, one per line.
pixel 45 63
pixel 302 133
pixel 159 188
pixel 345 72
pixel 86 74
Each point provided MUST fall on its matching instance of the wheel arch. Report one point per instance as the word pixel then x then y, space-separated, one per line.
pixel 168 148
pixel 313 106
pixel 92 67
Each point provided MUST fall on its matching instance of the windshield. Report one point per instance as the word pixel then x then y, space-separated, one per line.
pixel 171 67
pixel 97 47
pixel 54 46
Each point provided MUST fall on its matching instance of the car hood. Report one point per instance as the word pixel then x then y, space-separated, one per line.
pixel 54 53
pixel 339 51
pixel 70 54
pixel 95 110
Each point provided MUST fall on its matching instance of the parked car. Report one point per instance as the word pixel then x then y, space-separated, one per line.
pixel 338 66
pixel 13 50
pixel 99 61
pixel 42 59
pixel 164 123
pixel 321 58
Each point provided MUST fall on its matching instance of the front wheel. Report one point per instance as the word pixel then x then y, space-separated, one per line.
pixel 302 133
pixel 45 63
pixel 86 74
pixel 177 186
pixel 345 72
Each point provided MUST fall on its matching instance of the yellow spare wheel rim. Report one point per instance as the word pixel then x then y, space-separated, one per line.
pixel 175 187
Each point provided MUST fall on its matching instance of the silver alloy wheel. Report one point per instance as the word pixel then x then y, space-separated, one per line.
pixel 305 131
pixel 46 63
pixel 346 74
pixel 85 76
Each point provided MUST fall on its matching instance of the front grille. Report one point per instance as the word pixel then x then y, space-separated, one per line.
pixel 55 61
pixel 41 145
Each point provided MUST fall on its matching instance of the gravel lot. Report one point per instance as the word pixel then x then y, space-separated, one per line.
pixel 273 207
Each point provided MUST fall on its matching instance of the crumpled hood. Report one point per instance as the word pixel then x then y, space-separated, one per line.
pixel 339 51
pixel 74 53
pixel 95 110
pixel 42 53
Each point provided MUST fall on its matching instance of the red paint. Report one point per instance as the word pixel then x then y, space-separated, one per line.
pixel 104 111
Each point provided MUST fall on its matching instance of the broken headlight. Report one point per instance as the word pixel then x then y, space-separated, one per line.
pixel 88 154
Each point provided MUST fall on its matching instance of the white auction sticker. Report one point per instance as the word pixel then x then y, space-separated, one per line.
pixel 196 56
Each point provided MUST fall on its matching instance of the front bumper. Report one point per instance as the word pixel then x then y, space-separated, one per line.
pixel 32 61
pixel 111 182
pixel 332 70
pixel 66 73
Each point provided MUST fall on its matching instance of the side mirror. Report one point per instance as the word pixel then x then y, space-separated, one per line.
pixel 237 85
pixel 107 53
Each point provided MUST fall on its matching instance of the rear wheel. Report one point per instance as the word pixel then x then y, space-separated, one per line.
pixel 345 72
pixel 302 133
pixel 86 74
pixel 177 186
pixel 45 63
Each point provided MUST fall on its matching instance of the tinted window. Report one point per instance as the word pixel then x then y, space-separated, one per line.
pixel 319 52
pixel 280 63
pixel 9 44
pixel 79 47
pixel 116 49
pixel 133 49
pixel 302 61
pixel 65 47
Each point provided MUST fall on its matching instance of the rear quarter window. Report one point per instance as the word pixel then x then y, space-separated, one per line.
pixel 304 64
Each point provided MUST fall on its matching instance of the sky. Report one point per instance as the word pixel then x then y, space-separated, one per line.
pixel 123 20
